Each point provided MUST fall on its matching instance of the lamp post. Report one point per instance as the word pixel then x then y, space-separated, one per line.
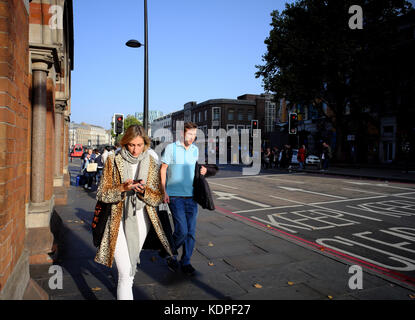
pixel 137 44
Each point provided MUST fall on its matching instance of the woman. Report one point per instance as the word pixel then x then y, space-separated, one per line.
pixel 89 176
pixel 131 183
pixel 267 158
pixel 301 157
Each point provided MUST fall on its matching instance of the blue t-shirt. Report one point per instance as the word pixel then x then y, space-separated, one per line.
pixel 181 169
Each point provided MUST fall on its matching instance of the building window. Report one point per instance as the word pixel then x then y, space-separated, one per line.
pixel 250 115
pixel 231 114
pixel 240 115
pixel 206 115
pixel 200 116
pixel 270 116
pixel 216 114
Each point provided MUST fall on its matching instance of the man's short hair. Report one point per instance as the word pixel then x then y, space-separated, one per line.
pixel 189 125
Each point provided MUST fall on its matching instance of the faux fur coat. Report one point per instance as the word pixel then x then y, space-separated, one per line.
pixel 108 192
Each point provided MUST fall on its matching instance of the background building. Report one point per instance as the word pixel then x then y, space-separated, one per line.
pixel 152 115
pixel 88 135
pixel 161 129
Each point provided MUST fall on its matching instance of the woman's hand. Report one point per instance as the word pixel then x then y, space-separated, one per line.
pixel 140 186
pixel 130 185
pixel 203 170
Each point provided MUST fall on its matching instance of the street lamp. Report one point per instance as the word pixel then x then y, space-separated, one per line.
pixel 137 44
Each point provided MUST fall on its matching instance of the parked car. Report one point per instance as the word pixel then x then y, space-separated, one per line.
pixel 312 159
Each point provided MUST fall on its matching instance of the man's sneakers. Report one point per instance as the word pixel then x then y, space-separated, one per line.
pixel 173 264
pixel 188 270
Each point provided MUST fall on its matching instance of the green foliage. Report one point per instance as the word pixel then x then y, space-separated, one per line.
pixel 313 56
pixel 129 120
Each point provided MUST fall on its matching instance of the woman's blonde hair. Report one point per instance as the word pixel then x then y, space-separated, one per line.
pixel 133 132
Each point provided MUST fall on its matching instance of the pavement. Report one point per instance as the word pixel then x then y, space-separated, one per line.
pixel 234 261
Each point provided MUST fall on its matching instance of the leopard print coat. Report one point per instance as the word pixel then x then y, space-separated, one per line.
pixel 108 192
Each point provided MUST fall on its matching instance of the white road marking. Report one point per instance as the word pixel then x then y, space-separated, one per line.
pixel 288 181
pixel 231 196
pixel 271 208
pixel 307 191
pixel 399 195
pixel 408 266
pixel 354 199
pixel 320 207
pixel 222 185
pixel 365 191
pixel 383 185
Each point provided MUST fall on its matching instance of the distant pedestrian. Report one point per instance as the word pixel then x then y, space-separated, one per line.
pixel 267 158
pixel 275 157
pixel 326 155
pixel 88 176
pixel 177 176
pixel 100 166
pixel 283 161
pixel 289 155
pixel 131 183
pixel 301 156
pixel 286 156
pixel 105 154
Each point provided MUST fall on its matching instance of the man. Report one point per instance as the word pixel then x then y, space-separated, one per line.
pixel 325 156
pixel 105 154
pixel 177 173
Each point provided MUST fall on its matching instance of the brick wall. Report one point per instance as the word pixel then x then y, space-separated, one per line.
pixel 14 132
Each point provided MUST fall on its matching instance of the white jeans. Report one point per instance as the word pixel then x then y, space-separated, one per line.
pixel 122 258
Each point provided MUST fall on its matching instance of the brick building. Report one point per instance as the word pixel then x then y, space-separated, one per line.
pixel 88 135
pixel 36 59
pixel 230 114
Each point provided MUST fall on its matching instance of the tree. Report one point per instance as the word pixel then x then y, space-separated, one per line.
pixel 131 120
pixel 313 57
pixel 128 121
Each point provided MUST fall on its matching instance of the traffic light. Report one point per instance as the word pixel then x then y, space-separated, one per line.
pixel 292 123
pixel 119 123
pixel 254 126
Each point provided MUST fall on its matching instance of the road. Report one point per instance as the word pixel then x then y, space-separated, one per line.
pixel 363 222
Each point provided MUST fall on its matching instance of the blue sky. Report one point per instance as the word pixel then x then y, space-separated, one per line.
pixel 198 50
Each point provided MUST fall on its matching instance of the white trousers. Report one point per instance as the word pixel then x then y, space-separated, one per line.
pixel 122 258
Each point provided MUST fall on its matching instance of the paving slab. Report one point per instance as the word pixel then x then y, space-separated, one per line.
pixel 295 292
pixel 247 262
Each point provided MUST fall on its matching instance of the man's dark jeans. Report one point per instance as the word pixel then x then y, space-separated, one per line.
pixel 184 212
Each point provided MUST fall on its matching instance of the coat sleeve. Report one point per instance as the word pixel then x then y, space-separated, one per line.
pixel 108 191
pixel 212 169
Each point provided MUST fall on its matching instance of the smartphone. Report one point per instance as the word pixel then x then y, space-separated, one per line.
pixel 138 181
